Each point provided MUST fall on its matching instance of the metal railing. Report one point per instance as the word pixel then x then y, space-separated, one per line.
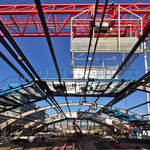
pixel 97 73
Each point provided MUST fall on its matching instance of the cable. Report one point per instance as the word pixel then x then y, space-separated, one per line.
pixel 23 58
pixel 44 24
pixel 100 28
pixel 91 35
pixel 12 66
pixel 105 6
pixel 119 97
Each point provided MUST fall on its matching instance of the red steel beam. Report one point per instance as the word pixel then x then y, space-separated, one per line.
pixel 25 9
pixel 23 21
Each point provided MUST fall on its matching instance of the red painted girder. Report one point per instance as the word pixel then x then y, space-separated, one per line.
pixel 22 9
pixel 40 34
pixel 21 19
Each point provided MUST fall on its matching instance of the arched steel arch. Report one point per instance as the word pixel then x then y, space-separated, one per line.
pixel 10 121
pixel 40 126
pixel 111 127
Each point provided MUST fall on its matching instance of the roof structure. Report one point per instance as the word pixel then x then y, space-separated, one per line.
pixel 96 31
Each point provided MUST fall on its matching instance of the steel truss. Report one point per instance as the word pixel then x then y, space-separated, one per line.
pixel 23 20
pixel 54 20
pixel 122 114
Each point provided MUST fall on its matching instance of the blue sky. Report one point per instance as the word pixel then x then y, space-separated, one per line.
pixel 37 51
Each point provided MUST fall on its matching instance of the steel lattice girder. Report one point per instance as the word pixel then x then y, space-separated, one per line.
pixel 23 20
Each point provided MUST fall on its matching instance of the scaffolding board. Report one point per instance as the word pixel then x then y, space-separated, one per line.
pixel 105 45
pixel 77 87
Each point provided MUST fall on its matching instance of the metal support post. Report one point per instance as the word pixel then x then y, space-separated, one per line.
pixel 94 125
pixel 67 123
pixel 87 124
pixel 119 27
pixel 147 94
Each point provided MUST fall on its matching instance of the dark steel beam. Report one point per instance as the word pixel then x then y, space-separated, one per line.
pixel 141 39
pixel 99 32
pixel 67 100
pixel 96 86
pixel 144 88
pixel 117 86
pixel 45 28
pixel 13 67
pixel 82 99
pixel 91 35
pixel 5 104
pixel 127 91
pixel 14 107
pixel 16 47
pixel 49 94
pixel 8 101
pixel 25 95
pixel 145 115
pixel 133 87
pixel 31 94
pixel 14 55
pixel 137 106
pixel 46 32
pixel 95 46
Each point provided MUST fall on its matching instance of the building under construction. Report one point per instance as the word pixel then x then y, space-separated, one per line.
pixel 74 76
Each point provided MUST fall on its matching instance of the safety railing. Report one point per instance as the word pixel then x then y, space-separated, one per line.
pixel 97 73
